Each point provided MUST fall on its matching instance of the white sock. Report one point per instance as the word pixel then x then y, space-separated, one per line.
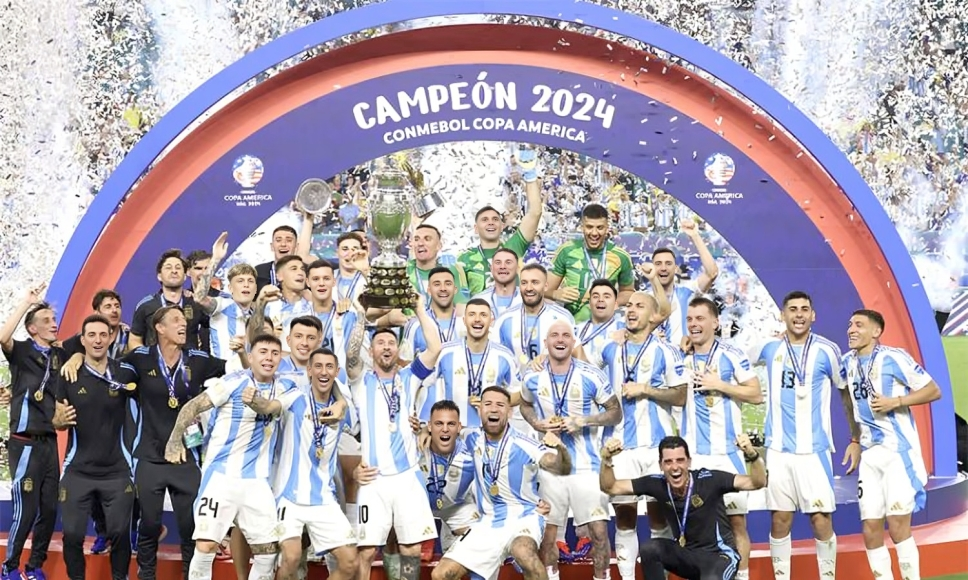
pixel 352 514
pixel 827 557
pixel 626 552
pixel 781 550
pixel 263 567
pixel 553 573
pixel 201 565
pixel 391 565
pixel 880 561
pixel 665 532
pixel 909 559
pixel 742 575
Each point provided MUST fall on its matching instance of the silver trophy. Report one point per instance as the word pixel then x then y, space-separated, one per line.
pixel 390 196
pixel 426 201
pixel 314 197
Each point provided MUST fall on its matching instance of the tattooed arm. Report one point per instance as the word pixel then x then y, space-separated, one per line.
pixel 261 405
pixel 354 363
pixel 175 449
pixel 558 463
pixel 200 290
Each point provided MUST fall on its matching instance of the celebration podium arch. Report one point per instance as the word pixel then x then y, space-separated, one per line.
pixel 771 183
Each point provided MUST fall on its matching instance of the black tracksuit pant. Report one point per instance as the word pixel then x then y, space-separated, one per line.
pixel 114 496
pixel 35 470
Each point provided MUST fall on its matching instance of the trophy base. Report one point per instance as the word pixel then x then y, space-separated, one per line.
pixel 388 288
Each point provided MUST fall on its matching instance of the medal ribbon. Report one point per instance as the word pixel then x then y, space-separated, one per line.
pixel 170 377
pixel 685 508
pixel 450 329
pixel 528 335
pixel 319 428
pixel 46 352
pixel 353 283
pixel 588 325
pixel 710 356
pixel 597 272
pixel 475 376
pixel 799 364
pixel 392 397
pixel 273 281
pixel 865 375
pixel 630 371
pixel 497 309
pixel 487 265
pixel 494 466
pixel 328 328
pixel 120 343
pixel 272 395
pixel 560 397
pixel 106 377
pixel 434 463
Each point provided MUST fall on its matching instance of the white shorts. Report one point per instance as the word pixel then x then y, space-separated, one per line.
pixel 580 492
pixel 803 483
pixel 326 525
pixel 483 549
pixel 736 503
pixel 890 483
pixel 456 518
pixel 224 502
pixel 633 464
pixel 348 446
pixel 395 501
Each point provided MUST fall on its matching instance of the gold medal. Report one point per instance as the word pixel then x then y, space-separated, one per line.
pixel 39 395
pixel 524 359
pixel 319 452
pixel 173 402
pixel 682 540
pixel 710 400
pixel 440 504
pixel 494 489
pixel 266 432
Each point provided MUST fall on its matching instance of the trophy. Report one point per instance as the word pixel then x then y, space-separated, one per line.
pixel 426 202
pixel 389 201
pixel 314 197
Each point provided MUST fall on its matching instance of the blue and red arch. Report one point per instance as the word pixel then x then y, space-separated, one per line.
pixel 818 225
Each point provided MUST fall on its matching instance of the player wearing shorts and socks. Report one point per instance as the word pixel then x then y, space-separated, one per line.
pixel 801 367
pixel 650 375
pixel 722 379
pixel 506 466
pixel 563 399
pixel 384 398
pixel 703 548
pixel 238 460
pixel 885 383
pixel 304 479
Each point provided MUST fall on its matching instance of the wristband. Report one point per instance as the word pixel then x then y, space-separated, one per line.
pixel 857 441
pixel 750 459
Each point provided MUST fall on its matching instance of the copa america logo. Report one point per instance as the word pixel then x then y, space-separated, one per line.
pixel 719 169
pixel 247 171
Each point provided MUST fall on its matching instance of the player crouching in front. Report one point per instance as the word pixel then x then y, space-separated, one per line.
pixel 693 506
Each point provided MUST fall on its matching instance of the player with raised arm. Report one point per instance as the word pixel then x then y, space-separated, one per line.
pixel 384 397
pixel 801 368
pixel 446 320
pixel 466 366
pixel 489 226
pixel 722 380
pixel 704 548
pixel 506 467
pixel 502 293
pixel 281 304
pixel 561 399
pixel 238 460
pixel 652 379
pixel 305 476
pixel 885 383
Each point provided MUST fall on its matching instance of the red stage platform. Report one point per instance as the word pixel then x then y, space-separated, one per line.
pixel 944 550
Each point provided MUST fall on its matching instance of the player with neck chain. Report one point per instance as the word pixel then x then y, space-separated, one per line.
pixel 385 397
pixel 667 274
pixel 281 304
pixel 467 366
pixel 801 368
pixel 579 262
pixel 692 498
pixel 563 399
pixel 885 383
pixel 425 245
pixel 506 465
pixel 651 378
pixel 489 225
pixel 503 292
pixel 446 319
pixel 723 380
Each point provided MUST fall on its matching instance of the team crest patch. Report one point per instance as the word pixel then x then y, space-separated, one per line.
pixel 188 373
pixel 28 485
pixel 696 501
pixel 62 496
pixel 189 312
pixel 453 474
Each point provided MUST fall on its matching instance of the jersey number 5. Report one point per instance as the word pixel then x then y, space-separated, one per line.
pixel 207 505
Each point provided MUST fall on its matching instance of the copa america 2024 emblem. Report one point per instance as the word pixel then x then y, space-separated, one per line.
pixel 719 169
pixel 247 171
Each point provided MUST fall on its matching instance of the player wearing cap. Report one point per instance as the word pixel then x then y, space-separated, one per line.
pixel 579 262
pixel 574 399
pixel 885 383
pixel 506 467
pixel 489 226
